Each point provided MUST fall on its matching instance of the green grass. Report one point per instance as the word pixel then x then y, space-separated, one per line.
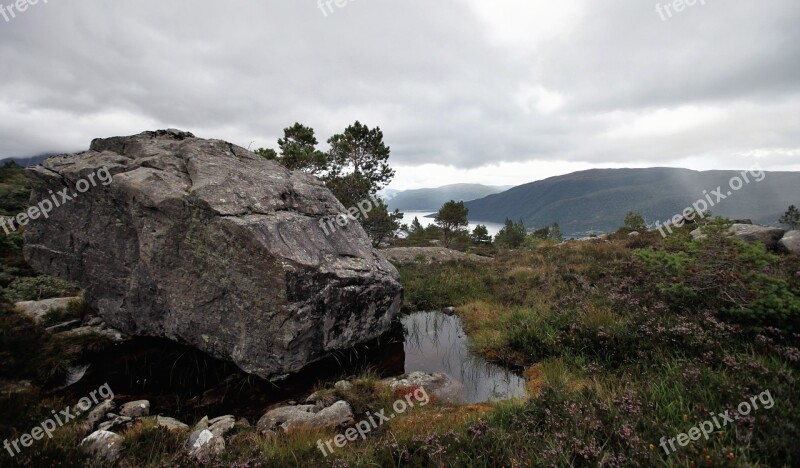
pixel 623 343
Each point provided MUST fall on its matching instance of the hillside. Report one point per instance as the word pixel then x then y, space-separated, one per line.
pixel 431 199
pixel 599 199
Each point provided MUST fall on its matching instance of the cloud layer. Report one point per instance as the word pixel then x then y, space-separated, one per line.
pixel 499 92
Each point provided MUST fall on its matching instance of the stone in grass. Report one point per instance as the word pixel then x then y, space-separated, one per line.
pixel 171 424
pixel 437 384
pixel 221 425
pixel 202 424
pixel 102 446
pixel 289 418
pixel 135 409
pixel 98 413
pixel 204 444
pixel 343 386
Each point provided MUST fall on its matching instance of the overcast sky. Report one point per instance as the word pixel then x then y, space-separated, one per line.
pixel 498 92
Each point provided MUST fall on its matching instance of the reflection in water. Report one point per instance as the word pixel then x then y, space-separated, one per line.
pixel 185 383
pixel 436 342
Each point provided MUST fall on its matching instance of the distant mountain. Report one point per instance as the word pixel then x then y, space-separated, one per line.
pixel 598 199
pixel 29 161
pixel 431 199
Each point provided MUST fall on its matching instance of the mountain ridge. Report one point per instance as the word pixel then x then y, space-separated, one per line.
pixel 598 199
pixel 432 199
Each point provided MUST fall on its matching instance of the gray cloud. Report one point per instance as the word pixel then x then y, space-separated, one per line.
pixel 449 82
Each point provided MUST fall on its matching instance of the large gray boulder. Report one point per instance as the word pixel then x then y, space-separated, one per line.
pixel 207 244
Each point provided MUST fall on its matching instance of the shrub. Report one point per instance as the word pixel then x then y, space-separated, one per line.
pixel 720 271
pixel 36 288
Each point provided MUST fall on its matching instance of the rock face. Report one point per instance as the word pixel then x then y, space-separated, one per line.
pixel 207 244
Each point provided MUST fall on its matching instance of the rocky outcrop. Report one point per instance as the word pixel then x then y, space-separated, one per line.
pixel 791 242
pixel 207 244
pixel 203 444
pixel 135 409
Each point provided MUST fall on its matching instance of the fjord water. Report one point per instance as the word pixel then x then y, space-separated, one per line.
pixel 409 216
pixel 436 342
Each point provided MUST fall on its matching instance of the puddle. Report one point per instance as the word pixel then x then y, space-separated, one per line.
pixel 184 383
pixel 436 342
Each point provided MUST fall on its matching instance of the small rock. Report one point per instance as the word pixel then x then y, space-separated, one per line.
pixel 202 424
pixel 99 412
pixel 135 409
pixel 438 384
pixel 102 445
pixel 289 418
pixel 698 234
pixel 221 425
pixel 171 424
pixel 242 424
pixel 204 444
pixel 311 399
pixel 343 386
pixel 634 234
